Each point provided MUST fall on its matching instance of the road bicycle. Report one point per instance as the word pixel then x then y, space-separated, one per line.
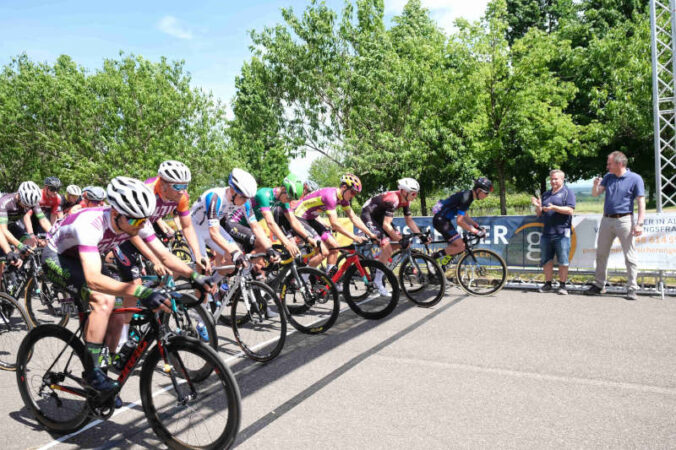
pixel 256 313
pixel 14 324
pixel 309 297
pixel 478 271
pixel 184 409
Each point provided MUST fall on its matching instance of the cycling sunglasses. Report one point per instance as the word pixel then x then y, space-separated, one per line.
pixel 52 189
pixel 136 223
pixel 179 187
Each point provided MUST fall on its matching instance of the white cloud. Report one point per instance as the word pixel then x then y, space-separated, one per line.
pixel 444 12
pixel 173 27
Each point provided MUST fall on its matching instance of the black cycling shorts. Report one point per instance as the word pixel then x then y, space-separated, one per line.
pixel 445 227
pixel 240 234
pixel 128 262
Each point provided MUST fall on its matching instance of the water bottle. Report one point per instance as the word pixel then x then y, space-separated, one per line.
pixel 127 349
pixel 202 331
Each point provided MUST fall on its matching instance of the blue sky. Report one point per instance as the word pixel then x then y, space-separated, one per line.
pixel 211 36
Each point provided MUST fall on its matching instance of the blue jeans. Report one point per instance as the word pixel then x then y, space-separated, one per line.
pixel 554 244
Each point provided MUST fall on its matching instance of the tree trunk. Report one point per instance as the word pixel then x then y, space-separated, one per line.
pixel 501 181
pixel 423 203
pixel 543 185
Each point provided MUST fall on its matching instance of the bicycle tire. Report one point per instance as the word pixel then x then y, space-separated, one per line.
pixel 40 406
pixel 195 316
pixel 221 378
pixel 264 327
pixel 183 254
pixel 46 299
pixel 14 325
pixel 377 310
pixel 434 277
pixel 323 300
pixel 467 266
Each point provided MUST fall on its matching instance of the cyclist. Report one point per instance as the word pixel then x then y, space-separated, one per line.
pixel 14 208
pixel 457 205
pixel 73 197
pixel 170 189
pixel 224 202
pixel 378 212
pixel 92 197
pixel 72 260
pixel 51 200
pixel 327 200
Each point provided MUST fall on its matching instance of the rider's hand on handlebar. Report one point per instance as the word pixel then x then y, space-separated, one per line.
pixel 292 248
pixel 273 255
pixel 360 239
pixel 154 299
pixel 160 269
pixel 13 259
pixel 481 232
pixel 203 265
pixel 204 283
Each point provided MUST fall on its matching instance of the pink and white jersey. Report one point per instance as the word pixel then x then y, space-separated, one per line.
pixel 166 207
pixel 89 230
pixel 319 201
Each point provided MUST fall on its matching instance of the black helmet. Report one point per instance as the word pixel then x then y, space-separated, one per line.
pixel 53 183
pixel 484 184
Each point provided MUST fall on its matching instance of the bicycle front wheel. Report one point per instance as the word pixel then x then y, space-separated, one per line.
pixel 259 323
pixel 14 324
pixel 186 412
pixel 43 304
pixel 311 300
pixel 49 370
pixel 422 280
pixel 373 295
pixel 481 272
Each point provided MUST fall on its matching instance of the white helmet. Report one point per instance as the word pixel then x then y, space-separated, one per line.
pixel 243 183
pixel 73 189
pixel 408 184
pixel 94 193
pixel 131 197
pixel 174 172
pixel 29 194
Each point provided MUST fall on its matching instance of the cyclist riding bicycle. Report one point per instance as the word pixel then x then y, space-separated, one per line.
pixel 224 202
pixel 73 197
pixel 170 190
pixel 72 260
pixel 15 223
pixel 457 205
pixel 326 200
pixel 378 212
pixel 92 197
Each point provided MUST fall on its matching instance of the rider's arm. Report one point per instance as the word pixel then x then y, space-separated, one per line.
pixel 389 229
pixel 9 237
pixel 333 220
pixel 272 225
pixel 215 235
pixel 45 224
pixel 411 224
pixel 261 237
pixel 145 250
pixel 91 266
pixel 297 226
pixel 168 259
pixel 356 220
pixel 467 223
pixel 166 229
pixel 4 238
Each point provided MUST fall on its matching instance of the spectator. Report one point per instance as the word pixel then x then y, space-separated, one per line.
pixel 557 207
pixel 622 187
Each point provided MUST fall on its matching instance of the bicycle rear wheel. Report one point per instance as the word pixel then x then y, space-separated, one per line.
pixel 186 412
pixel 362 295
pixel 422 280
pixel 14 324
pixel 260 326
pixel 49 370
pixel 482 272
pixel 314 307
pixel 44 304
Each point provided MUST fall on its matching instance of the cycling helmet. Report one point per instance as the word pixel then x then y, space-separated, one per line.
pixel 94 193
pixel 311 185
pixel 351 181
pixel 73 189
pixel 293 186
pixel 53 182
pixel 243 183
pixel 29 194
pixel 131 197
pixel 174 172
pixel 408 184
pixel 484 184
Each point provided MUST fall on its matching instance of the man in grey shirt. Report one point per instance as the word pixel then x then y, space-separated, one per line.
pixel 622 187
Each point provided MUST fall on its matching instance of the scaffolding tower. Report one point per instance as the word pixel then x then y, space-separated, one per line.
pixel 663 37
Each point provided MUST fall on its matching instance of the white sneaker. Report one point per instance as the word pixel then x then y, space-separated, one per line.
pixel 378 281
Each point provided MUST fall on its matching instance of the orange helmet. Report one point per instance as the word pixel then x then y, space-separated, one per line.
pixel 351 181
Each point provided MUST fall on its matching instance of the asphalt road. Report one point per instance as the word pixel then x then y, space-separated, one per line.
pixel 517 370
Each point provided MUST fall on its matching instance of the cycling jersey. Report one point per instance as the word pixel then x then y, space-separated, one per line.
pixel 53 204
pixel 212 206
pixel 383 205
pixel 11 211
pixel 456 204
pixel 165 207
pixel 265 200
pixel 322 200
pixel 90 230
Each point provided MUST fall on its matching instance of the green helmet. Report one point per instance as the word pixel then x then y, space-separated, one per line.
pixel 293 186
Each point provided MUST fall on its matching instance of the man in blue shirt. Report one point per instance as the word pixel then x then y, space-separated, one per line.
pixel 622 187
pixel 557 207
